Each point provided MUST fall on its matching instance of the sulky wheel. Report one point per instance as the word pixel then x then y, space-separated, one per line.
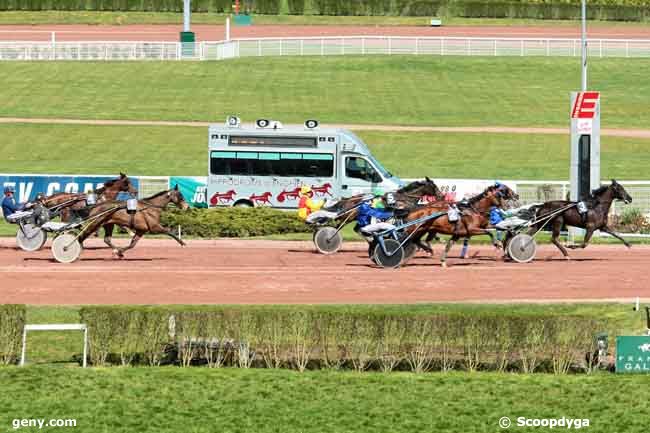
pixel 30 237
pixel 392 257
pixel 66 248
pixel 522 248
pixel 327 240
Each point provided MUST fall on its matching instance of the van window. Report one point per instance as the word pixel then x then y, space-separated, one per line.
pixel 272 164
pixel 360 168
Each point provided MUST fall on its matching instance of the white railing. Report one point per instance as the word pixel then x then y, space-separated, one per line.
pixel 321 46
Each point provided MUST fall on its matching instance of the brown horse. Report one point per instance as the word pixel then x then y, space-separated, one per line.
pixel 65 204
pixel 474 218
pixel 145 220
pixel 557 213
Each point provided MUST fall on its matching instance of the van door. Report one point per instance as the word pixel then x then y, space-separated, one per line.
pixel 358 176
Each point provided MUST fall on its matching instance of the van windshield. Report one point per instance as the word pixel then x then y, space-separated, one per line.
pixel 385 173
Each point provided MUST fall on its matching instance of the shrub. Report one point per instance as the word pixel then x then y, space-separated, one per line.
pixel 309 337
pixel 12 322
pixel 235 222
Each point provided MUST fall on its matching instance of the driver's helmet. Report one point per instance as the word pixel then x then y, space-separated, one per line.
pixel 304 190
pixel 9 189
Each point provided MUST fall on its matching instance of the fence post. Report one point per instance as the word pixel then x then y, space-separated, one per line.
pixel 280 47
pixel 442 46
pixel 322 47
pixel 601 48
pixel 259 48
pixel 522 47
pixel 390 45
pixel 495 48
pixel 548 48
pixel 302 47
pixel 417 46
pixel 627 48
pixel 342 46
pixel 469 47
pixel 363 46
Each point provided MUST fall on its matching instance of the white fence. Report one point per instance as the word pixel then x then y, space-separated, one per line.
pixel 325 46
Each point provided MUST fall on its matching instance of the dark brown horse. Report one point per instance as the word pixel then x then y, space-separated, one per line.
pixel 65 204
pixel 557 213
pixel 145 220
pixel 405 197
pixel 474 218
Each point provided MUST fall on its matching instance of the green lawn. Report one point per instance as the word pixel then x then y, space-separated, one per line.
pixel 232 400
pixel 124 18
pixel 167 150
pixel 406 90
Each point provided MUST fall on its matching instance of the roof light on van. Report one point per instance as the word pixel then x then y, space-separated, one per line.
pixel 233 122
pixel 262 123
pixel 311 124
pixel 268 124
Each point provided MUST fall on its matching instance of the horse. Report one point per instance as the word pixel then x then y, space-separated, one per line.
pixel 66 203
pixel 145 220
pixel 261 198
pixel 598 205
pixel 474 218
pixel 405 197
pixel 223 197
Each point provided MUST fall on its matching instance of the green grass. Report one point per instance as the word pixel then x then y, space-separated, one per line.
pixel 166 150
pixel 406 90
pixel 124 18
pixel 232 400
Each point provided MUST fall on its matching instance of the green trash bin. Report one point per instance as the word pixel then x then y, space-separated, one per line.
pixel 188 40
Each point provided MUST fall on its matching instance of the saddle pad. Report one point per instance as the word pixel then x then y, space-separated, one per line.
pixel 377 227
pixel 53 226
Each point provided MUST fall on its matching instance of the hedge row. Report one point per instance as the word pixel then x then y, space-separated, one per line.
pixel 321 337
pixel 630 10
pixel 235 222
pixel 12 321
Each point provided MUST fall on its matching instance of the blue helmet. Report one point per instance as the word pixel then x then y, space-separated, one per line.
pixel 9 189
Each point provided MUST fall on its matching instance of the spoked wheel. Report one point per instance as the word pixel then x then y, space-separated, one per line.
pixel 66 248
pixel 392 257
pixel 30 237
pixel 522 248
pixel 327 240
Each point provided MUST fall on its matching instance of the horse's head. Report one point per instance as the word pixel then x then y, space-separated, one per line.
pixel 620 193
pixel 505 194
pixel 176 196
pixel 119 184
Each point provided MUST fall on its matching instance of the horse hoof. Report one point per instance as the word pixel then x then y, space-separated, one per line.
pixel 567 258
pixel 444 265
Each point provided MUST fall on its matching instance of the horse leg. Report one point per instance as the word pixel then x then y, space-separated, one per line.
pixel 417 240
pixel 159 229
pixel 108 236
pixel 557 227
pixel 587 238
pixel 171 234
pixel 134 240
pixel 450 243
pixel 616 235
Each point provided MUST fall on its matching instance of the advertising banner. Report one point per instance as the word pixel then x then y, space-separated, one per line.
pixel 193 189
pixel 28 186
pixel 633 354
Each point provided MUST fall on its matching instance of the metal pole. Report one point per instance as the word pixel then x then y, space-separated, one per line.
pixel 22 354
pixel 227 28
pixel 85 347
pixel 186 15
pixel 584 45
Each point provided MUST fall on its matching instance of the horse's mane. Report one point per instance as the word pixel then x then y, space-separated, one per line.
pixel 411 186
pixel 158 194
pixel 598 191
pixel 482 195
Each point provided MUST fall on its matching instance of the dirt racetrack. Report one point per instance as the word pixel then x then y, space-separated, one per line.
pixel 240 271
pixel 205 32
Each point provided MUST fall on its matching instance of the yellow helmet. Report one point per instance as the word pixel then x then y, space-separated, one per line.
pixel 305 189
